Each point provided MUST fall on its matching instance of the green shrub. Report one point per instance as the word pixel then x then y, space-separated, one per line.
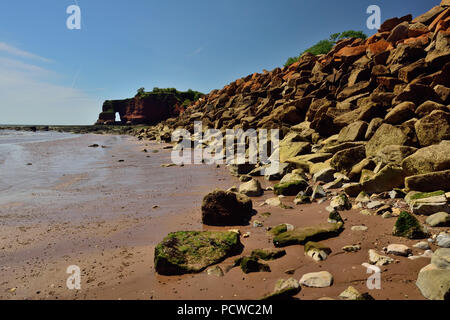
pixel 325 46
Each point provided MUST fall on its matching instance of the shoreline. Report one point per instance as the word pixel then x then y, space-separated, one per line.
pixel 116 253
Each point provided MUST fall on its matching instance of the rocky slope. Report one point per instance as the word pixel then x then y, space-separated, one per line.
pixel 371 120
pixel 367 104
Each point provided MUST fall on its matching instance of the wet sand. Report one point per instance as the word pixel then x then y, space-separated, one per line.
pixel 81 206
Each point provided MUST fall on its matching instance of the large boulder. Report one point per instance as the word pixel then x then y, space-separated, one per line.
pixel 344 160
pixel 439 180
pixel 386 135
pixel 224 208
pixel 429 159
pixel 390 177
pixel 292 149
pixel 394 154
pixel 401 113
pixel 434 280
pixel 353 132
pixel 433 128
pixel 192 251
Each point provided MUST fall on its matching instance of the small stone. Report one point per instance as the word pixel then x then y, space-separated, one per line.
pixel 399 250
pixel 341 203
pixel 257 224
pixel 387 215
pixel 422 245
pixel 363 197
pixel 335 217
pixel 284 289
pixel 440 219
pixel 379 260
pixel 360 228
pixel 383 210
pixel 366 212
pixel 215 271
pixel 374 204
pixel 317 279
pixel 443 240
pixel 352 248
pixel 352 294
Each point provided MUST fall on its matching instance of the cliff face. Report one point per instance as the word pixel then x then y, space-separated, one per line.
pixel 148 109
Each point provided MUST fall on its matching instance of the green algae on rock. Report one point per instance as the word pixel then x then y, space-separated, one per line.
pixel 290 188
pixel 268 254
pixel 251 264
pixel 408 226
pixel 193 251
pixel 306 234
pixel 284 289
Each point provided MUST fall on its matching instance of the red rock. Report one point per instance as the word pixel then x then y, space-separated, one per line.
pixel 443 25
pixel 378 47
pixel 445 3
pixel 390 24
pixel 439 18
pixel 400 32
pixel 421 41
pixel 429 16
pixel 352 51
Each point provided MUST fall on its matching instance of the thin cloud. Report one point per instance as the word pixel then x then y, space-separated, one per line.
pixel 196 52
pixel 16 65
pixel 4 47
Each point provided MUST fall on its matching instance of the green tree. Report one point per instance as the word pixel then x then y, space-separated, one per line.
pixel 141 91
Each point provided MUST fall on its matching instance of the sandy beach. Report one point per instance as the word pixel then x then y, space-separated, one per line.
pixel 104 209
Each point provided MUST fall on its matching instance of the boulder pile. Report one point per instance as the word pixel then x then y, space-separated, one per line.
pixel 370 120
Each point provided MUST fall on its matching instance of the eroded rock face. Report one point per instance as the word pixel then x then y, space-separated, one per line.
pixel 151 109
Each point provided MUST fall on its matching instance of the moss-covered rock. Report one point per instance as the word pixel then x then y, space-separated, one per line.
pixel 424 195
pixel 408 226
pixel 317 251
pixel 192 252
pixel 284 289
pixel 280 229
pixel 335 217
pixel 304 235
pixel 251 264
pixel 290 188
pixel 268 254
pixel 341 202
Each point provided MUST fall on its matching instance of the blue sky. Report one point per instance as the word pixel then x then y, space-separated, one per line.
pixel 52 75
